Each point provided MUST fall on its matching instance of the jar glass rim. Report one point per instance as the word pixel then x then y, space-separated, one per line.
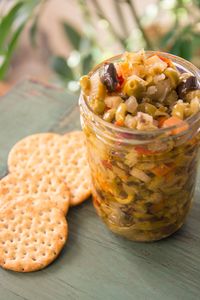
pixel 186 65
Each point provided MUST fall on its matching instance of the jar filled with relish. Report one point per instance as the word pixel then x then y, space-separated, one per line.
pixel 140 113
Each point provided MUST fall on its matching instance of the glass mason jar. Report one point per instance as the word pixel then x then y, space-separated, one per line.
pixel 143 181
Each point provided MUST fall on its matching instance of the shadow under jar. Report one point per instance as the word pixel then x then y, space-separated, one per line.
pixel 128 194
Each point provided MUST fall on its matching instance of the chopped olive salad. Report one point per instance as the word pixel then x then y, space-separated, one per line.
pixel 142 92
pixel 142 190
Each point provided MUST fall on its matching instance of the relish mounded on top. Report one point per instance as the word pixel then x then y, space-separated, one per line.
pixel 142 92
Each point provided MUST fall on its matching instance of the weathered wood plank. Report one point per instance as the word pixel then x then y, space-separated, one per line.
pixel 9 295
pixel 96 264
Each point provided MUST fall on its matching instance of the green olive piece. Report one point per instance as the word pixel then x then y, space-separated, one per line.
pixel 171 98
pixel 173 75
pixel 126 200
pixel 121 112
pixel 147 108
pixel 97 105
pixel 150 109
pixel 141 107
pixel 101 93
pixel 85 84
pixel 178 110
pixel 149 80
pixel 134 86
pixel 109 115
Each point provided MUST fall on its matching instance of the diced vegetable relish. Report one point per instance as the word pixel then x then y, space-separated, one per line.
pixel 142 187
pixel 140 90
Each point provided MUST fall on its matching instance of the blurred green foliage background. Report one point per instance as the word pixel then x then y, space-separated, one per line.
pixel 181 36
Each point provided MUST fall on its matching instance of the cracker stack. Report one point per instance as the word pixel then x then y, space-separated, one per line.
pixel 48 173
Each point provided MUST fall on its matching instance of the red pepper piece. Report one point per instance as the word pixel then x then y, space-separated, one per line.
pixel 166 60
pixel 119 123
pixel 120 82
pixel 141 150
pixel 106 164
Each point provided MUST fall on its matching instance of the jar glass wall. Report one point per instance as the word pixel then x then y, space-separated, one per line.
pixel 143 182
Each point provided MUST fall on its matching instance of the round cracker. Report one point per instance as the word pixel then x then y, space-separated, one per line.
pixel 39 185
pixel 27 201
pixel 74 166
pixel 66 156
pixel 31 237
pixel 32 151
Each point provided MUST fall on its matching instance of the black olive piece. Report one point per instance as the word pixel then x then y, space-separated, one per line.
pixel 108 77
pixel 124 97
pixel 187 85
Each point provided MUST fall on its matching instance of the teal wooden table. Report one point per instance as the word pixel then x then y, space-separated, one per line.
pixel 95 264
